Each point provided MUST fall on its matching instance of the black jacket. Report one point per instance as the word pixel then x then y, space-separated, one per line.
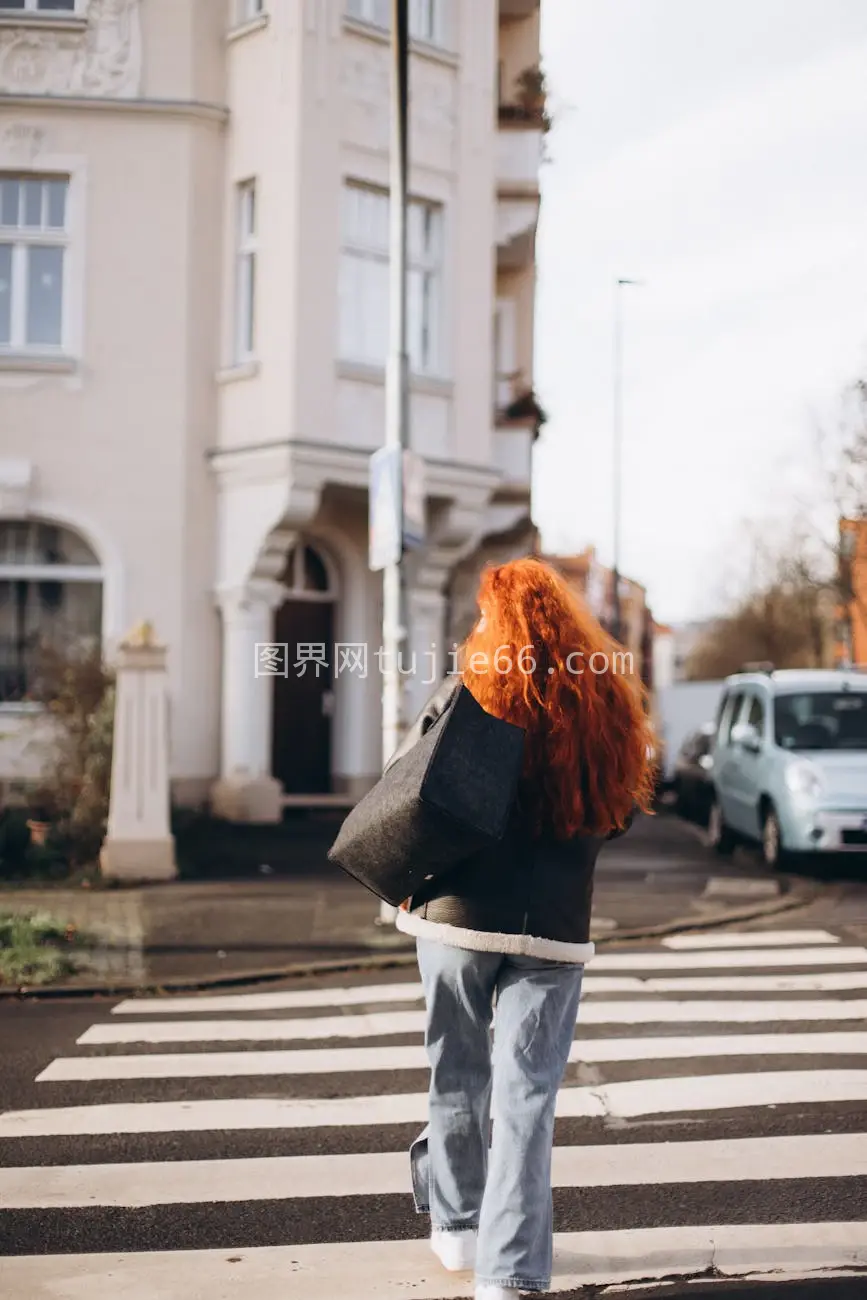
pixel 529 896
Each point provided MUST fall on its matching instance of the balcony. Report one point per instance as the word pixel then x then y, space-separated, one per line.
pixel 510 9
pixel 519 153
pixel 517 420
pixel 513 455
pixel 519 157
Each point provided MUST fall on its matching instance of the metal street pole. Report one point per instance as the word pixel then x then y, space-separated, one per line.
pixel 394 620
pixel 617 620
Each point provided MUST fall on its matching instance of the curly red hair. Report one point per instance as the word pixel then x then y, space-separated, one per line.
pixel 535 659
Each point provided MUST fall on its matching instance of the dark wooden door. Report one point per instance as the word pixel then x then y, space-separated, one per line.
pixel 301 744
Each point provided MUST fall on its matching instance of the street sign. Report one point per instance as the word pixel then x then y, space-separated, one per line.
pixel 385 520
pixel 413 500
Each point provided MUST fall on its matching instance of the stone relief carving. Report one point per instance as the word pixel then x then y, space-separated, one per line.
pixel 103 58
pixel 21 143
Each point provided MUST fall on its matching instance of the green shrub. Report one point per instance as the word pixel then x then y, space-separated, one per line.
pixel 36 949
pixel 78 692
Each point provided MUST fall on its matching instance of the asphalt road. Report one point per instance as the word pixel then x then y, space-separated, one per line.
pixel 714 1123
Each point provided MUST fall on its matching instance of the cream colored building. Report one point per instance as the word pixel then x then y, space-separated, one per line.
pixel 193 329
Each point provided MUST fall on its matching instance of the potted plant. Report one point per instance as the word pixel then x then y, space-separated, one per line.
pixel 38 822
pixel 532 88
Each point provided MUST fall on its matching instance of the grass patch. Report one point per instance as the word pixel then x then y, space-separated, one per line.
pixel 36 949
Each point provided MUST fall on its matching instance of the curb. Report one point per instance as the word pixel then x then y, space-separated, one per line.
pixel 384 961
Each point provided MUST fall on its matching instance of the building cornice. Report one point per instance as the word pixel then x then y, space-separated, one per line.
pixel 445 479
pixel 186 109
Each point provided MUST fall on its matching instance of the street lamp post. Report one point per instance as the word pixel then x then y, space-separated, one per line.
pixel 617 619
pixel 394 606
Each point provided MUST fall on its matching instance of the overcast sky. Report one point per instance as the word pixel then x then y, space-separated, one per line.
pixel 716 149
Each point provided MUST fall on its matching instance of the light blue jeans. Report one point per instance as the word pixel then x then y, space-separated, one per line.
pixel 503 1190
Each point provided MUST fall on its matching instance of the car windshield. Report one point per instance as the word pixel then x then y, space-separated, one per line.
pixel 821 720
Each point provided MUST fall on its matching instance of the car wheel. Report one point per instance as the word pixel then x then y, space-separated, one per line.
pixel 720 837
pixel 773 853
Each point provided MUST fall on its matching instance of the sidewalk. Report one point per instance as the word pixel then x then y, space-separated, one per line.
pixel 298 909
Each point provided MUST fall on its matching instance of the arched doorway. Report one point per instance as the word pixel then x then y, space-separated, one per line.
pixel 304 698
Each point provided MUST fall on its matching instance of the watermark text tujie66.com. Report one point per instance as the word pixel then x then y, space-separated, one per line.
pixel 354 659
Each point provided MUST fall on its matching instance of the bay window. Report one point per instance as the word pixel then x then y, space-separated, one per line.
pixel 245 273
pixel 425 17
pixel 364 280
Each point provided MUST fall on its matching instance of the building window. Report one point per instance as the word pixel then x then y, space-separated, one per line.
pixel 364 279
pixel 50 595
pixel 245 294
pixel 425 17
pixel 306 575
pixel 41 6
pixel 247 10
pixel 424 20
pixel 33 239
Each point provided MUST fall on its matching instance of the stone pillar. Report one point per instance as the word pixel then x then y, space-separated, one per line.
pixel 139 844
pixel 246 790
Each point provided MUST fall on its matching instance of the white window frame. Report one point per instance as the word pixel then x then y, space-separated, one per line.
pixel 22 238
pixel 30 571
pixel 505 352
pixel 34 7
pixel 430 265
pixel 426 17
pixel 246 267
pixel 426 21
pixel 246 11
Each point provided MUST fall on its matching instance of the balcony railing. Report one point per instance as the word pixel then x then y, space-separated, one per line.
pixel 513 452
pixel 519 157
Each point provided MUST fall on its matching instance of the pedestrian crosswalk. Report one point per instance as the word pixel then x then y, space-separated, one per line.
pixel 713 1122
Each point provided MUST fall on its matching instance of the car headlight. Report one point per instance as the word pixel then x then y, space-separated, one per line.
pixel 804 779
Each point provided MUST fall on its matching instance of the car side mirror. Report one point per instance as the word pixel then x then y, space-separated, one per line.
pixel 747 737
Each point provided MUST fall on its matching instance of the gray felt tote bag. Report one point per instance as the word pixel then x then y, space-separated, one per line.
pixel 450 796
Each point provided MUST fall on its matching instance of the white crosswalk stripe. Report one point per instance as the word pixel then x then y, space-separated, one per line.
pixel 839 1155
pixel 356 1270
pixel 127 1146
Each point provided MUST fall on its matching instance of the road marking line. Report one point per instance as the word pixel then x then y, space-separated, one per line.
pixel 821 981
pixel 318 1272
pixel 383 1024
pixel 741 939
pixel 351 1060
pixel 652 1096
pixel 296 999
pixel 720 1092
pixel 806 957
pixel 275 1178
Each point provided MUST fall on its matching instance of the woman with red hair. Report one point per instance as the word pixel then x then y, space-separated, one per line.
pixel 511 926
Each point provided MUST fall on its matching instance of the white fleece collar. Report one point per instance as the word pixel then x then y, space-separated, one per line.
pixel 513 945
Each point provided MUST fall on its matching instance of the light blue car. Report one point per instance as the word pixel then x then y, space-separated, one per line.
pixel 790 764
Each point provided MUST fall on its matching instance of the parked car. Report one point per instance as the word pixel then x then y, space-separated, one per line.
pixel 790 764
pixel 681 708
pixel 692 782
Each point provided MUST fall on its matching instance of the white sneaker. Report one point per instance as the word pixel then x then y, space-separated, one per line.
pixel 456 1251
pixel 490 1292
